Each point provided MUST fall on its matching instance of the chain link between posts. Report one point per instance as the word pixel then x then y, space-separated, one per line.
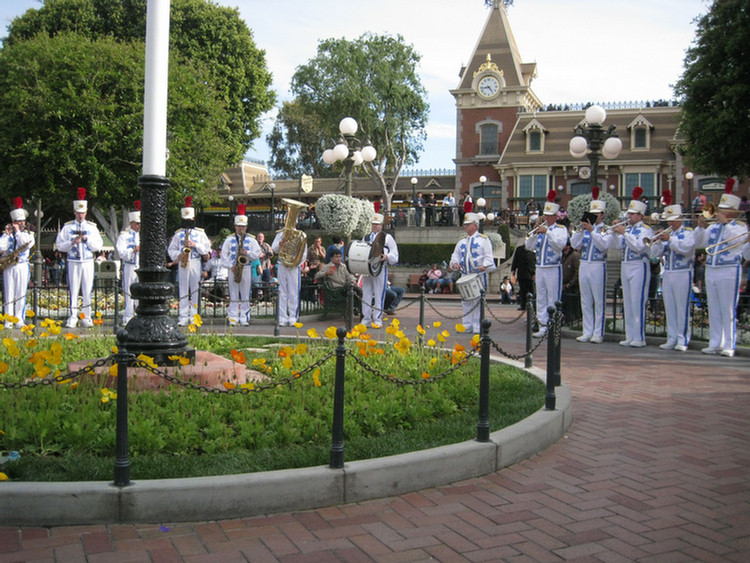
pixel 62 378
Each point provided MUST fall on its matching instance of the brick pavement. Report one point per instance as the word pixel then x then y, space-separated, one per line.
pixel 654 469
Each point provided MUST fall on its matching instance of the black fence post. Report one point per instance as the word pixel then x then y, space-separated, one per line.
pixel 549 400
pixel 483 426
pixel 122 463
pixel 337 439
pixel 349 305
pixel 421 306
pixel 528 360
pixel 275 294
pixel 559 315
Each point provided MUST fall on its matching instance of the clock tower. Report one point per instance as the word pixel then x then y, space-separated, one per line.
pixel 493 88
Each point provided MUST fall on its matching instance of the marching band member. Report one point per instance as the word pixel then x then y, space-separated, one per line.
pixel 374 287
pixel 81 240
pixel 15 246
pixel 636 270
pixel 548 240
pixel 593 241
pixel 188 245
pixel 723 271
pixel 237 254
pixel 128 248
pixel 677 245
pixel 473 255
pixel 289 276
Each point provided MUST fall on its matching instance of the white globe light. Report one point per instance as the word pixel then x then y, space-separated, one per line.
pixel 578 147
pixel 481 202
pixel 369 153
pixel 689 176
pixel 611 187
pixel 612 147
pixel 560 188
pixel 481 216
pixel 357 157
pixel 414 181
pixel 348 126
pixel 328 156
pixel 490 216
pixel 341 151
pixel 483 179
pixel 595 115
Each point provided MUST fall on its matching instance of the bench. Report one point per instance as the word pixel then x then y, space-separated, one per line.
pixel 336 301
pixel 414 285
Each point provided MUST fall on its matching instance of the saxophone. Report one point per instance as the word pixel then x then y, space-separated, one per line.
pixel 186 250
pixel 239 264
pixel 294 241
pixel 11 259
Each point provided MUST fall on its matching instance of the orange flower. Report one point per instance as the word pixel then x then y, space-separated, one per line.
pixel 228 385
pixel 238 356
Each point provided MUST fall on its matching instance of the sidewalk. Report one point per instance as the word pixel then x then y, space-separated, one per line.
pixel 655 468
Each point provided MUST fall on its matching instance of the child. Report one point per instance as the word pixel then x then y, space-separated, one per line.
pixel 506 291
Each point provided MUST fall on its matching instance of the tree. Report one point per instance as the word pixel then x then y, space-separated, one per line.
pixel 212 37
pixel 71 114
pixel 372 79
pixel 715 91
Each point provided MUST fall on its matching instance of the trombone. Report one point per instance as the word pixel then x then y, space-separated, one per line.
pixel 711 249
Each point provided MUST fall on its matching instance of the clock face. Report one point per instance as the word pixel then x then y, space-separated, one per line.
pixel 488 86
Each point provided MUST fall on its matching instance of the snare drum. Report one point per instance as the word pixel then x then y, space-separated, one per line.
pixel 358 259
pixel 470 286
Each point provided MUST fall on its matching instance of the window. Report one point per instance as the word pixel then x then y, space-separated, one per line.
pixel 534 136
pixel 535 141
pixel 532 185
pixel 640 134
pixel 488 135
pixel 640 138
pixel 646 180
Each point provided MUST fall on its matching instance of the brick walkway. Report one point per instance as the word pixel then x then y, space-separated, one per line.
pixel 656 468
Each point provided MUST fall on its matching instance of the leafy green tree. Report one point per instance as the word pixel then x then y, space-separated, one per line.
pixel 71 113
pixel 212 37
pixel 372 79
pixel 715 91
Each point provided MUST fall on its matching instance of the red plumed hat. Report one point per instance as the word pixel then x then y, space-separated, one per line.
pixel 17 202
pixel 551 196
pixel 137 204
pixel 595 192
pixel 637 192
pixel 81 193
pixel 241 209
pixel 666 197
pixel 188 201
pixel 729 186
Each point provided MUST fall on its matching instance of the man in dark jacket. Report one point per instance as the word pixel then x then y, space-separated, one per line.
pixel 523 268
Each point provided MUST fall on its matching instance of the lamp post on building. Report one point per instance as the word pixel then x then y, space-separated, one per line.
pixel 350 150
pixel 689 177
pixel 481 202
pixel 592 140
pixel 271 188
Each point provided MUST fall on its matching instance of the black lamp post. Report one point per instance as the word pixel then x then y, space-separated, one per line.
pixel 350 150
pixel 592 140
pixel 272 188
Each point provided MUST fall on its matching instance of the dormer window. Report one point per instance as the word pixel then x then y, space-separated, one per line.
pixel 534 137
pixel 640 134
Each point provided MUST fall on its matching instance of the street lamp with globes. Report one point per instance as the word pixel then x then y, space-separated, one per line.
pixel 689 177
pixel 350 150
pixel 592 140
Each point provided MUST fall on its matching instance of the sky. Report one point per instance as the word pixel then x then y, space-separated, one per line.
pixel 585 50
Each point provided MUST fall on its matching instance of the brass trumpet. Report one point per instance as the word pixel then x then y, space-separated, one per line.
pixel 535 229
pixel 648 240
pixel 710 249
pixel 606 229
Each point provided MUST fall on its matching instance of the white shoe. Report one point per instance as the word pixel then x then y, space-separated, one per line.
pixel 711 350
pixel 244 323
pixel 8 325
pixel 72 322
pixel 680 348
pixel 596 340
pixel 638 343
pixel 182 323
pixel 87 323
pixel 625 342
pixel 667 346
pixel 539 333
pixel 583 338
pixel 728 353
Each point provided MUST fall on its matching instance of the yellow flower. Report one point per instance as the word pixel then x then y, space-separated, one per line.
pixel 403 346
pixel 312 333
pixel 29 313
pixel 445 333
pixel 181 359
pixel 298 325
pixel 437 324
pixel 372 343
pixel 296 374
pixel 250 386
pixel 391 330
pixel 287 363
pixel 259 361
pixel 459 348
pixel 300 349
pixel 331 332
pixel 98 314
pixel 360 328
pixel 74 385
pixel 192 328
pixel 375 326
pixel 113 349
pixel 440 337
pixel 316 378
pixel 70 336
pixel 475 340
pixel 108 395
pixel 460 328
pixel 420 330
pixel 197 320
pixel 113 370
pixel 395 322
pixel 10 345
pixel 148 360
pixel 431 342
pixel 3 476
pixel 433 361
pixel 27 329
pixel 12 319
pixel 31 343
pixel 364 337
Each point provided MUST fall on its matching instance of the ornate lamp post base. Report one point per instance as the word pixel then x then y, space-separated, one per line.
pixel 152 332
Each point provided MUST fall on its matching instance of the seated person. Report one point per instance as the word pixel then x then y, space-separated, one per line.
pixel 393 296
pixel 423 278
pixel 433 277
pixel 506 291
pixel 336 275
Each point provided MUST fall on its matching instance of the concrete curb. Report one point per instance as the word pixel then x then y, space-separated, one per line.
pixel 252 494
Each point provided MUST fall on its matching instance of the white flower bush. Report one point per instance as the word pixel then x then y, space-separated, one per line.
pixel 580 204
pixel 366 213
pixel 338 214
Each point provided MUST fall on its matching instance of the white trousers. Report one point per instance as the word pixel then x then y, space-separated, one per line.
pixel 374 286
pixel 592 283
pixel 723 291
pixel 635 280
pixel 676 288
pixel 239 296
pixel 80 280
pixel 129 277
pixel 548 291
pixel 188 279
pixel 16 283
pixel 290 282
